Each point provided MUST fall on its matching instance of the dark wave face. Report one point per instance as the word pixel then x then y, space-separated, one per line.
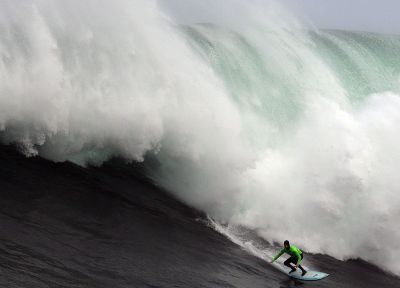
pixel 67 226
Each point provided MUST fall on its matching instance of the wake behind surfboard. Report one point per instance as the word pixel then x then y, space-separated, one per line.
pixel 310 275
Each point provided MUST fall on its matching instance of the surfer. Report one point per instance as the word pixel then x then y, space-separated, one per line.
pixel 296 255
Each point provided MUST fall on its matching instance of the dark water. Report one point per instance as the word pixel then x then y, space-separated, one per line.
pixel 67 226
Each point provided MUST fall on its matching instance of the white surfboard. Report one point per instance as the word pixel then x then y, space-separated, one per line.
pixel 310 275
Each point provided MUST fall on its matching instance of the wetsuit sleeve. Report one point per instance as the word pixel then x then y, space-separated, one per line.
pixel 278 255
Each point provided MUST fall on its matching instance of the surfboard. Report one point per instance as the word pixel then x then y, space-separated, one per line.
pixel 310 275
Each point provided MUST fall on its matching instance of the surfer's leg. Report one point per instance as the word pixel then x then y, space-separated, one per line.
pixel 288 261
pixel 302 269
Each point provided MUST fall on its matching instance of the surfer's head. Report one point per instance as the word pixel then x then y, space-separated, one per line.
pixel 286 244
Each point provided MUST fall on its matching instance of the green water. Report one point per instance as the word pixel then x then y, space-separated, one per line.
pixel 271 73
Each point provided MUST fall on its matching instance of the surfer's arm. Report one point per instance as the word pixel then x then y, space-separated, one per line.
pixel 278 255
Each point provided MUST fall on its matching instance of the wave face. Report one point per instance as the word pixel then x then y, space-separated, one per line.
pixel 109 226
pixel 262 123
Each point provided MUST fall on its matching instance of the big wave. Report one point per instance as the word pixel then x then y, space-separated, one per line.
pixel 259 121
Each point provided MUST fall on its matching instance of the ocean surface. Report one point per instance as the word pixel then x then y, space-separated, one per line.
pixel 67 226
pixel 141 150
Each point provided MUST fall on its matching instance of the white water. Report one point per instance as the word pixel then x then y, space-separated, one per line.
pixel 86 80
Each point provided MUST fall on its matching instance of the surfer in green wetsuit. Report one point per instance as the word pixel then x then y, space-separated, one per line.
pixel 295 257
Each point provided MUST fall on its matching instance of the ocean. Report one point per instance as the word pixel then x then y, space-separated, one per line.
pixel 137 151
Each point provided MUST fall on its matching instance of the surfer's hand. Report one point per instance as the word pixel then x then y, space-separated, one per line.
pixel 295 266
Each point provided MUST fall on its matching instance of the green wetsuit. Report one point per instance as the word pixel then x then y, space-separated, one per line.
pixel 292 251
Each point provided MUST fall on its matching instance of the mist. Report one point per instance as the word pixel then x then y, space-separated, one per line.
pixel 355 15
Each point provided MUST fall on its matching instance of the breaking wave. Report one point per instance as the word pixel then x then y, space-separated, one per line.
pixel 260 122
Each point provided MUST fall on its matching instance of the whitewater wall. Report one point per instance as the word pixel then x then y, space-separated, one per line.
pixel 249 119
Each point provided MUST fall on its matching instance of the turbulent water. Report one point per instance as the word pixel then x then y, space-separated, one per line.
pixel 257 121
